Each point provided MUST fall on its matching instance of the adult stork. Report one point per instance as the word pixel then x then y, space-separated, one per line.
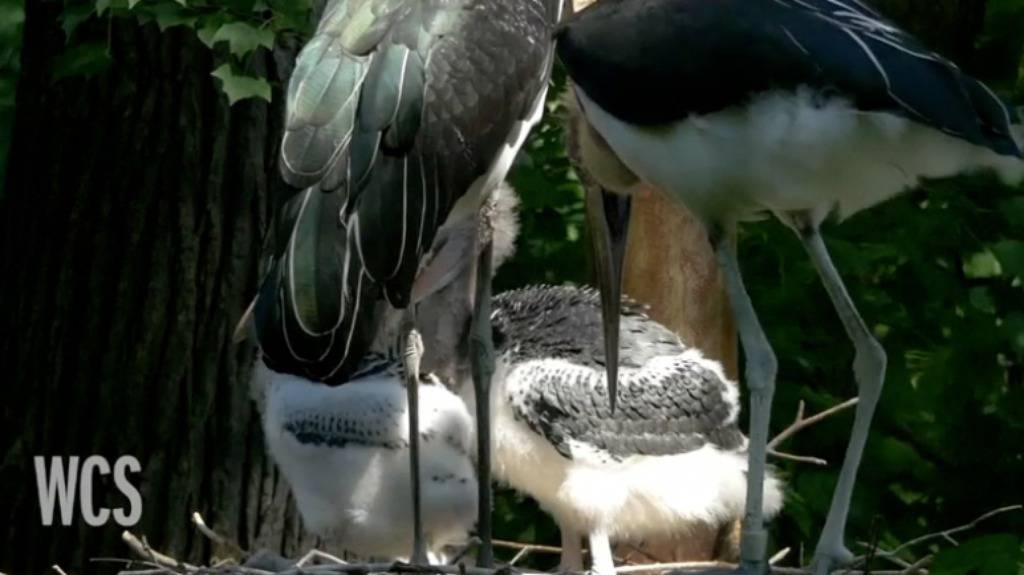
pixel 411 111
pixel 798 108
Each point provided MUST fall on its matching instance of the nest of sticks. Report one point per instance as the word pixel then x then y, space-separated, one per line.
pixel 904 559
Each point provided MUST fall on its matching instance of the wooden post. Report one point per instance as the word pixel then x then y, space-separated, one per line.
pixel 671 267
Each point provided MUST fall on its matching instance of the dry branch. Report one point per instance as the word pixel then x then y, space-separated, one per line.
pixel 945 534
pixel 800 423
pixel 232 546
pixel 142 549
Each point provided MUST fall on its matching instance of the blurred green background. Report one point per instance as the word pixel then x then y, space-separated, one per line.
pixel 938 274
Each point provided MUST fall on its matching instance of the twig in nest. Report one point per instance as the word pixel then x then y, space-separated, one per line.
pixel 799 423
pixel 919 565
pixel 945 534
pixel 317 554
pixel 232 546
pixel 802 571
pixel 778 557
pixel 531 546
pixel 57 568
pixel 141 548
pixel 519 556
pixel 129 563
pixel 684 566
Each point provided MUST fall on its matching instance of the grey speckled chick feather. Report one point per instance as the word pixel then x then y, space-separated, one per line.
pixel 672 400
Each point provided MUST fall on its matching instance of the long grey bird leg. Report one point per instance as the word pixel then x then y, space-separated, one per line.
pixel 761 368
pixel 412 352
pixel 481 350
pixel 869 372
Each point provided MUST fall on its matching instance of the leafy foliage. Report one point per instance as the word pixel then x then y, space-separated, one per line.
pixel 243 26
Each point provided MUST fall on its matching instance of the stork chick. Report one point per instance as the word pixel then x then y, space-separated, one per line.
pixel 345 453
pixel 668 459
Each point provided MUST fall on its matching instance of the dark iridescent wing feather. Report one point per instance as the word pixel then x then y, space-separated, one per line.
pixel 316 311
pixel 400 105
pixel 700 57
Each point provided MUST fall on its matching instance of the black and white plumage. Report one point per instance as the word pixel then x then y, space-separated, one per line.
pixel 344 451
pixel 410 112
pixel 670 457
pixel 312 319
pixel 799 108
pixel 829 105
pixel 406 107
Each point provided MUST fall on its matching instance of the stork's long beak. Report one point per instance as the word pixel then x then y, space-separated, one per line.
pixel 608 217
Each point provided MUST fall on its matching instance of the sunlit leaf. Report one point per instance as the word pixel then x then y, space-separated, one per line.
pixel 243 38
pixel 239 87
pixel 983 265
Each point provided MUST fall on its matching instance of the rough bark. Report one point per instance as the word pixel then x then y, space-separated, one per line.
pixel 132 222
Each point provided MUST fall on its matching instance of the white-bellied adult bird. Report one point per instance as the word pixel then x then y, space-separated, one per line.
pixel 798 108
pixel 412 111
pixel 668 459
pixel 344 452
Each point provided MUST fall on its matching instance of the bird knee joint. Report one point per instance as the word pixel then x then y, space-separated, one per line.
pixel 869 367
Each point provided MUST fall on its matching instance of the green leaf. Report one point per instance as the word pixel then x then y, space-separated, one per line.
pixel 1011 256
pixel 239 87
pixel 171 15
pixel 243 38
pixel 73 16
pixel 990 555
pixel 12 16
pixel 982 265
pixel 1013 210
pixel 982 300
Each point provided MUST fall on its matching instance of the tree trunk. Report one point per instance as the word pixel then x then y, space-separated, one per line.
pixel 132 222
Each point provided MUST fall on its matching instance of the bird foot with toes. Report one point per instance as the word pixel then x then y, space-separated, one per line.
pixel 828 560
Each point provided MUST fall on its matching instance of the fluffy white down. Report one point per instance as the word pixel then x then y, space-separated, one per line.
pixel 359 497
pixel 786 152
pixel 642 496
